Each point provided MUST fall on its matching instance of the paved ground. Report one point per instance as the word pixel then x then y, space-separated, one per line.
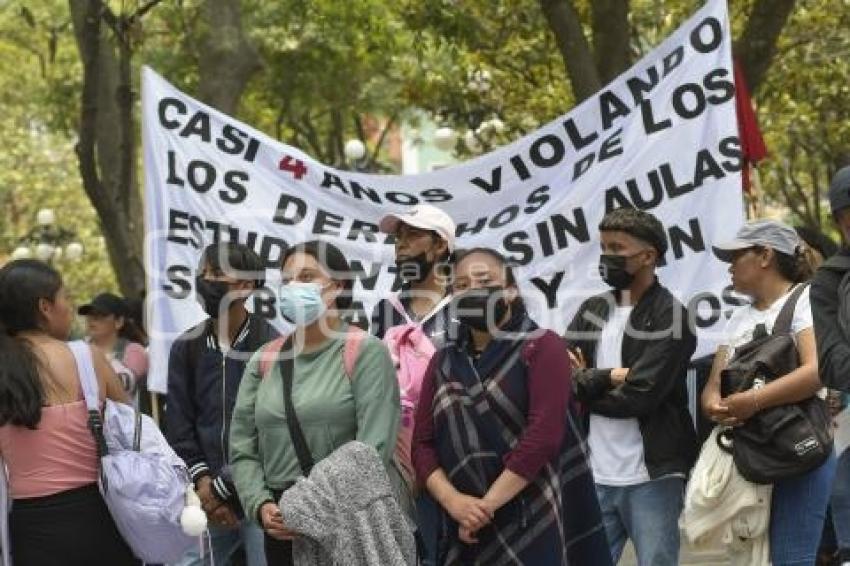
pixel 688 556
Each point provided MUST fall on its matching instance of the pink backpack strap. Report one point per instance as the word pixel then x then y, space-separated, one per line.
pixel 396 303
pixel 353 340
pixel 269 354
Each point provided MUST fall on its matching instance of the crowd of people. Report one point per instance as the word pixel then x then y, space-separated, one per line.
pixel 478 436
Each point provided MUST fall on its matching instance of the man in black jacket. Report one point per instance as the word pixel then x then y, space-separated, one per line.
pixel 205 368
pixel 830 298
pixel 631 348
pixel 829 295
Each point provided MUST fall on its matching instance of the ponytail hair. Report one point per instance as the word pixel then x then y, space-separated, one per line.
pixel 23 283
pixel 132 332
pixel 795 268
pixel 134 327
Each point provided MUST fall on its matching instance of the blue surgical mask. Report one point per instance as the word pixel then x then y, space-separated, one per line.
pixel 301 303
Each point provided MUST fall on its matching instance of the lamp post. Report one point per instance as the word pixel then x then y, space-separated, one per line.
pixel 355 154
pixel 445 138
pixel 48 241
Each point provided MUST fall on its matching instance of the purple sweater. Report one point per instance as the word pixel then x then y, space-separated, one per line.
pixel 549 389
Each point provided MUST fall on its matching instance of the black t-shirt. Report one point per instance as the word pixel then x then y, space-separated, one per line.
pixel 385 316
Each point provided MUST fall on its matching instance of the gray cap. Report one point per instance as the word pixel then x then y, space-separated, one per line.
pixel 766 233
pixel 839 190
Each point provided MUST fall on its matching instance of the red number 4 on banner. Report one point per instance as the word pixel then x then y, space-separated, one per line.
pixel 294 166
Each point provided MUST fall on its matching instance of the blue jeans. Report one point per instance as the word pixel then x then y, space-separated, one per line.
pixel 646 513
pixel 841 504
pixel 797 513
pixel 225 543
pixel 427 521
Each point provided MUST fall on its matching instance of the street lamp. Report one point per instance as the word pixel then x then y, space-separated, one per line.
pixel 45 241
pixel 470 139
pixel 22 252
pixel 44 251
pixel 74 251
pixel 355 150
pixel 45 217
pixel 445 139
pixel 479 81
pixel 493 126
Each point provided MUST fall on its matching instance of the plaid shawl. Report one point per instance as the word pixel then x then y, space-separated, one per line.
pixel 479 415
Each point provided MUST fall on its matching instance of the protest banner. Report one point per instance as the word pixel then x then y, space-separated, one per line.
pixel 662 137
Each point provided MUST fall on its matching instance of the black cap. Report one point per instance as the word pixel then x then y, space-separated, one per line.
pixel 105 303
pixel 839 190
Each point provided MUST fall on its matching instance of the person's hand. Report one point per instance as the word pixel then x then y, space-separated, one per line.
pixel 741 406
pixel 466 536
pixel 618 376
pixel 470 512
pixel 224 516
pixel 273 522
pixel 715 409
pixel 834 402
pixel 577 358
pixel 209 501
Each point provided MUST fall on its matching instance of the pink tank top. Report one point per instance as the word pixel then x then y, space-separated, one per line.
pixel 59 455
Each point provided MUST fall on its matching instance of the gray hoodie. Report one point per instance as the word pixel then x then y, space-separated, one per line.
pixel 346 514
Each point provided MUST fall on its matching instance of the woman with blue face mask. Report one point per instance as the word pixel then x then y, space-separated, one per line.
pixel 339 382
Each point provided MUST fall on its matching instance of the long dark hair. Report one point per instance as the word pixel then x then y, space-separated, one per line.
pixel 23 283
pixel 134 328
pixel 131 332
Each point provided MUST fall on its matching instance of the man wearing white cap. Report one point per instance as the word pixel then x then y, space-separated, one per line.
pixel 424 242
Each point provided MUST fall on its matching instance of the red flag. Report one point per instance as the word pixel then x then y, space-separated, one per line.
pixel 752 142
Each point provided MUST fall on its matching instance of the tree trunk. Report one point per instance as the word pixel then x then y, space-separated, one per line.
pixel 227 59
pixel 611 33
pixel 756 47
pixel 106 148
pixel 578 59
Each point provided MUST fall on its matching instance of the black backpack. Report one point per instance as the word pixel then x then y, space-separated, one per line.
pixel 777 442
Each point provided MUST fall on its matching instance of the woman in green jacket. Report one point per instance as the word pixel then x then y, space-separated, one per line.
pixel 335 401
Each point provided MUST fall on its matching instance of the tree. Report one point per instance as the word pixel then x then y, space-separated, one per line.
pixel 756 46
pixel 226 60
pixel 317 73
pixel 106 149
pixel 589 69
pixel 38 84
pixel 205 48
pixel 804 108
pixel 334 71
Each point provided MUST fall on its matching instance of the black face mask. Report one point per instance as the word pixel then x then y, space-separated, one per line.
pixel 414 269
pixel 612 268
pixel 478 309
pixel 210 294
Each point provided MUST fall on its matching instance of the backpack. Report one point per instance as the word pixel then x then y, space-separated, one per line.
pixel 779 442
pixel 143 482
pixel 353 339
pixel 411 351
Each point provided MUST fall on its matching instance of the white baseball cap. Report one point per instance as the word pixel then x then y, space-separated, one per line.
pixel 424 217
